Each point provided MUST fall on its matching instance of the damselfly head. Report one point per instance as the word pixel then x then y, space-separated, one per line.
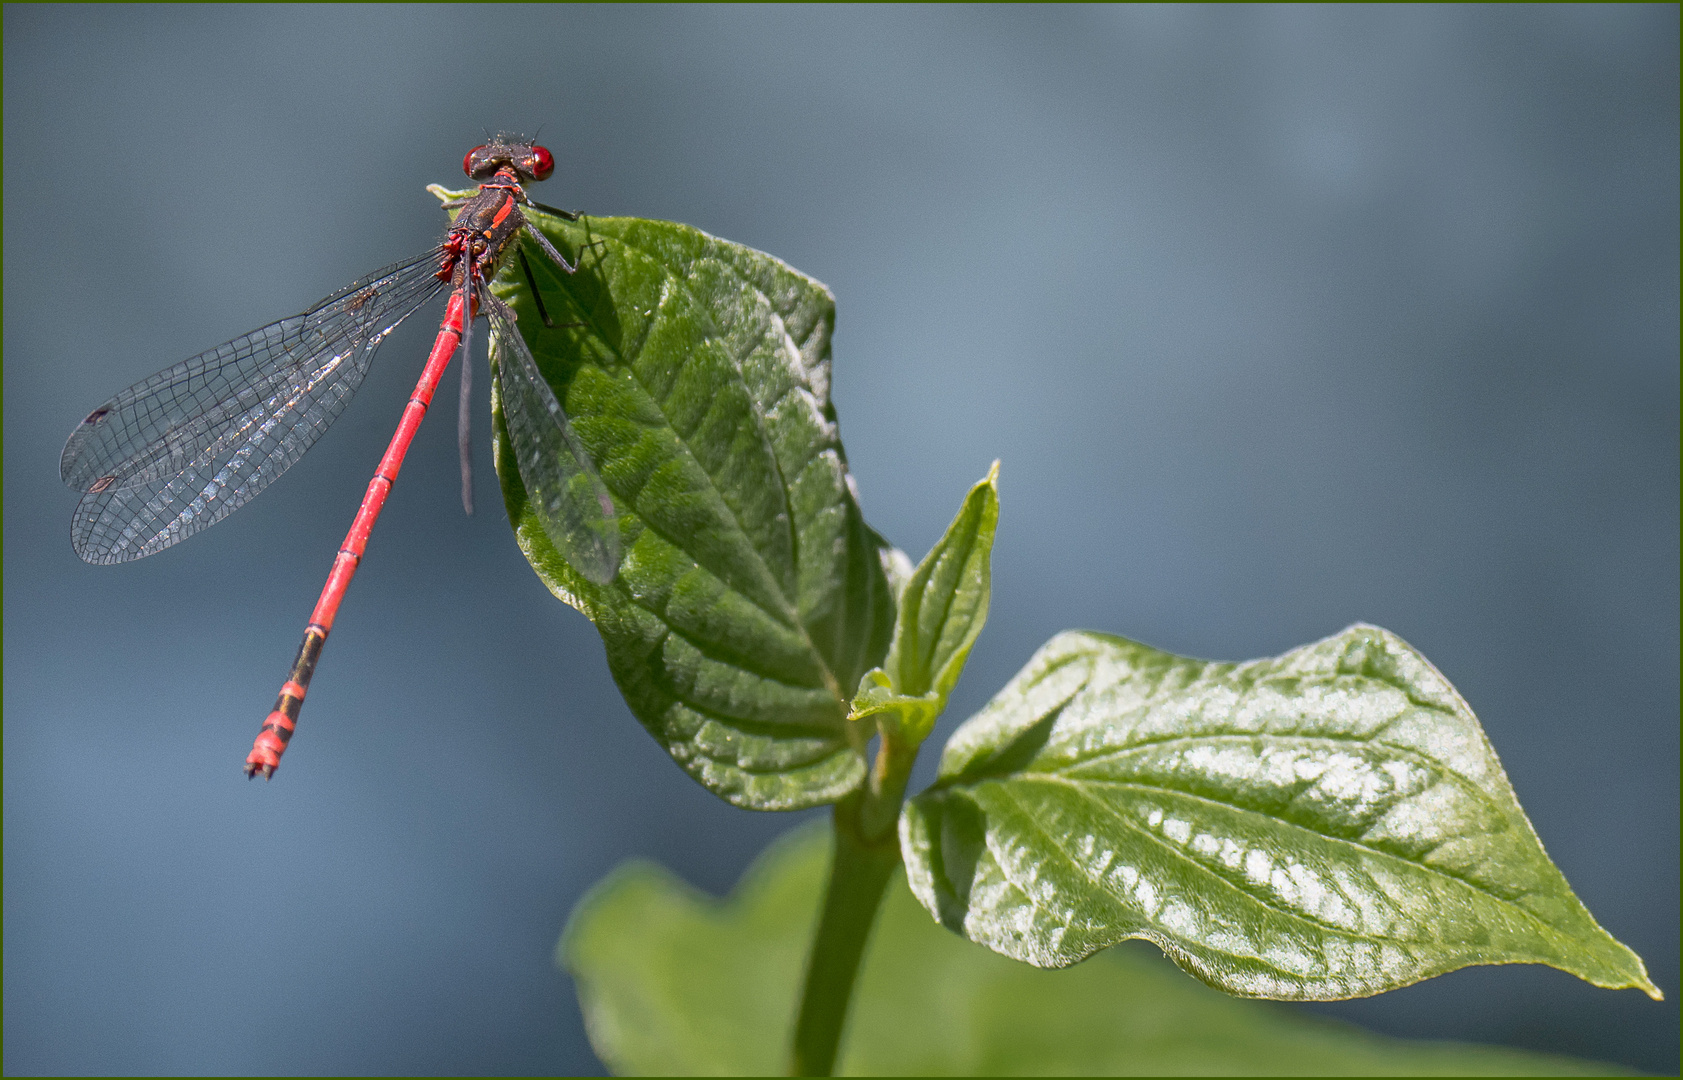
pixel 529 160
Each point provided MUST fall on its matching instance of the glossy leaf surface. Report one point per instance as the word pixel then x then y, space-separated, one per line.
pixel 941 611
pixel 750 596
pixel 674 982
pixel 1328 824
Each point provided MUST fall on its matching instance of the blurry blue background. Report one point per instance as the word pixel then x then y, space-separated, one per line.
pixel 1278 318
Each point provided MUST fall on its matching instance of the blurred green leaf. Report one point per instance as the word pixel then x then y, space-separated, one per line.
pixel 751 596
pixel 940 614
pixel 675 982
pixel 1328 824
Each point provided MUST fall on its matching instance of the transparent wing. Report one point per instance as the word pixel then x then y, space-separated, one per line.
pixel 562 486
pixel 189 446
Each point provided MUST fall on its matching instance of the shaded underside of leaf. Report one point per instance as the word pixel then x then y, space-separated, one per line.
pixel 674 982
pixel 750 596
pixel 1328 824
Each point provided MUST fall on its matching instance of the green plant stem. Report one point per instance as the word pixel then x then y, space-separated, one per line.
pixel 865 856
pixel 879 811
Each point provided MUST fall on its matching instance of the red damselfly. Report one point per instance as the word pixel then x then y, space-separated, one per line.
pixel 183 449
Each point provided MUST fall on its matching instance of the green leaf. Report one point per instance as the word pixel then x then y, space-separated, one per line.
pixel 674 982
pixel 751 595
pixel 1328 824
pixel 940 614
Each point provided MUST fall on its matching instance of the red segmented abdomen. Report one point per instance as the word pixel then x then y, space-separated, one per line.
pixel 276 732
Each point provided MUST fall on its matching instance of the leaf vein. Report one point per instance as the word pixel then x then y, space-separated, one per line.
pixel 1435 767
pixel 1447 875
pixel 1208 871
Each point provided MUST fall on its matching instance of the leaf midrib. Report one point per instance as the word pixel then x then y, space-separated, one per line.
pixel 1549 929
pixel 1153 932
pixel 1438 768
pixel 1296 916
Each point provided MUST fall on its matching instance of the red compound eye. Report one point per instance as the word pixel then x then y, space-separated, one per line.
pixel 467 162
pixel 543 163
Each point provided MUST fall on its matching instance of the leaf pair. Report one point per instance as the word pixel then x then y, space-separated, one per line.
pixel 1326 824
